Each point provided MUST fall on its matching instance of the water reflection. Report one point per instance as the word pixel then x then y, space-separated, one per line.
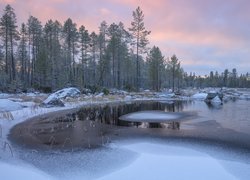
pixel 110 113
pixel 91 126
pixel 214 105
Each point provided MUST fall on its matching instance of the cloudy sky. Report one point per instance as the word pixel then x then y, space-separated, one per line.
pixel 204 34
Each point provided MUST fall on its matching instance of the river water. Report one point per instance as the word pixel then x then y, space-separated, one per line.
pixel 102 146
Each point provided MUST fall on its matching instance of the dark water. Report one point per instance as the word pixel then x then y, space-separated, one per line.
pixel 222 131
pixel 110 113
pixel 93 126
pixel 232 115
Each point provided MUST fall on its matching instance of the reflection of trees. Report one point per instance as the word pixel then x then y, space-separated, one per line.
pixel 174 125
pixel 155 125
pixel 214 105
pixel 110 113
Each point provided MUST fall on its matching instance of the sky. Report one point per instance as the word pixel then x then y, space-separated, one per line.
pixel 205 35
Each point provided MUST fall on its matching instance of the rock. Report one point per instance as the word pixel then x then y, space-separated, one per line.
pixel 213 94
pixel 53 103
pixel 86 91
pixel 100 95
pixel 128 98
pixel 52 100
pixel 117 92
pixel 216 99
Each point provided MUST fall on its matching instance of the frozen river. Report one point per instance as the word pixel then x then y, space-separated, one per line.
pixel 212 144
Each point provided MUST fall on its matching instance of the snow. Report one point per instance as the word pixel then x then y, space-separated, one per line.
pixel 213 92
pixel 166 95
pixel 4 95
pixel 154 160
pixel 127 98
pixel 62 94
pixel 200 96
pixel 8 105
pixel 151 116
pixel 157 161
pixel 14 172
pixel 148 160
pixel 100 95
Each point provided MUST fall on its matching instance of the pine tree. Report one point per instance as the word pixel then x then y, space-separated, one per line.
pixel 71 39
pixel 93 60
pixel 52 38
pixel 103 60
pixel 140 39
pixel 84 49
pixel 9 34
pixel 34 39
pixel 23 54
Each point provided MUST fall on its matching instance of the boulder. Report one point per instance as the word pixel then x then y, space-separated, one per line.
pixel 213 94
pixel 54 103
pixel 55 98
pixel 86 91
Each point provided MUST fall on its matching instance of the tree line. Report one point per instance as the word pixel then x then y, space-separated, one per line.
pixel 54 55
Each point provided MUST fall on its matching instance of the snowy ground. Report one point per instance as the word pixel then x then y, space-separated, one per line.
pixel 153 160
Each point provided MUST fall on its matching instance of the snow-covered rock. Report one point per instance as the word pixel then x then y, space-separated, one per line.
pixel 216 99
pixel 200 96
pixel 62 94
pixel 54 103
pixel 86 91
pixel 55 98
pixel 211 95
pixel 100 95
pixel 214 96
pixel 8 105
pixel 117 92
pixel 127 98
pixel 245 97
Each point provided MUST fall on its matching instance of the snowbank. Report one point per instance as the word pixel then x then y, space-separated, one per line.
pixel 8 105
